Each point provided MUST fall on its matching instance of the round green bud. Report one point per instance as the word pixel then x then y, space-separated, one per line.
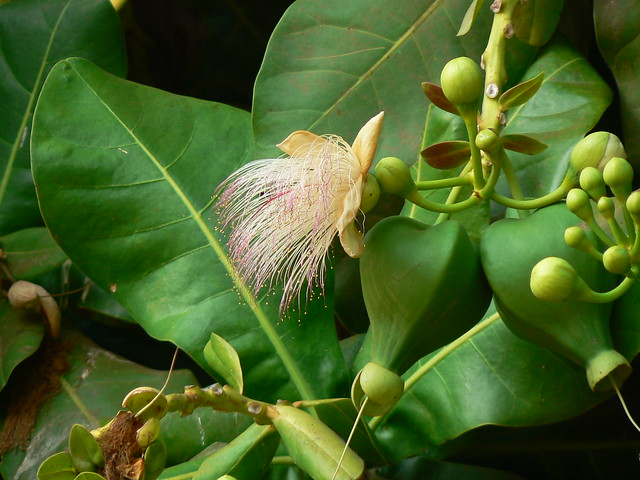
pixel 380 385
pixel 575 237
pixel 394 176
pixel 578 202
pixel 370 193
pixel 462 81
pixel 618 173
pixel 607 207
pixel 633 204
pixel 591 181
pixel 616 260
pixel 486 139
pixel 595 150
pixel 553 279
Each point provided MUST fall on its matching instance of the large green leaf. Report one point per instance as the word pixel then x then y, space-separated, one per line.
pixel 125 185
pixel 492 377
pixel 569 103
pixel 31 252
pixel 21 332
pixel 92 391
pixel 35 34
pixel 331 65
pixel 616 26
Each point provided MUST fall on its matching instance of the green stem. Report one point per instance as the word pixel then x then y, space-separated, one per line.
pixel 439 356
pixel 444 183
pixel 548 199
pixel 470 121
pixel 606 297
pixel 511 178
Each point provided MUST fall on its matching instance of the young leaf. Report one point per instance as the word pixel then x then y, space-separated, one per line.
pixel 224 361
pixel 57 29
pixel 521 93
pixel 436 95
pixel 470 16
pixel 447 155
pixel 535 20
pixel 522 144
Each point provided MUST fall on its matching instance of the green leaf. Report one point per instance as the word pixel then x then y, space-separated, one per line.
pixel 57 29
pixel 491 377
pixel 31 252
pixel 535 20
pixel 21 332
pixel 470 16
pixel 92 390
pixel 447 155
pixel 84 449
pixel 125 185
pixel 569 103
pixel 521 93
pixel 617 36
pixel 246 457
pixel 89 476
pixel 224 361
pixel 57 467
pixel 332 65
pixel 522 144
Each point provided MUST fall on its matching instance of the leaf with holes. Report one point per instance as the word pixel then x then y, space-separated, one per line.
pixel 125 184
pixel 57 29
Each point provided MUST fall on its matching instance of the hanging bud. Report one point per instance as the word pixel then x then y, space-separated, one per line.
pixel 595 150
pixel 394 177
pixel 370 193
pixel 553 279
pixel 29 295
pixel 592 182
pixel 382 388
pixel 462 82
pixel 616 260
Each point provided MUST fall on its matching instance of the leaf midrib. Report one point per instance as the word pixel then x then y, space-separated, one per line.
pixel 286 358
pixel 27 114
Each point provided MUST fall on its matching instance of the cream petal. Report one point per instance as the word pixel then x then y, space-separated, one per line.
pixel 351 241
pixel 299 142
pixel 366 142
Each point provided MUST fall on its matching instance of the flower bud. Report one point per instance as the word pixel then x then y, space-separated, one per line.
pixel 591 181
pixel 595 150
pixel 607 207
pixel 579 204
pixel 553 279
pixel 575 237
pixel 633 204
pixel 618 174
pixel 381 385
pixel 486 139
pixel 370 193
pixel 394 176
pixel 462 81
pixel 616 260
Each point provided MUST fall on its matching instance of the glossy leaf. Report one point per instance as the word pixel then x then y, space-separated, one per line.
pixel 436 95
pixel 535 21
pixel 57 467
pixel 331 65
pixel 554 117
pixel 617 35
pixel 31 252
pixel 246 457
pixel 224 361
pixel 125 185
pixel 155 459
pixel 447 155
pixel 470 16
pixel 522 144
pixel 21 332
pixel 57 29
pixel 491 378
pixel 521 93
pixel 84 449
pixel 91 393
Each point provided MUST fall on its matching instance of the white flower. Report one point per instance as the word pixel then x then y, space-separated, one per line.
pixel 284 213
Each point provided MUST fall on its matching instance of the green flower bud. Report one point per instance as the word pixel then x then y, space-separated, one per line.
pixel 462 81
pixel 380 385
pixel 618 174
pixel 394 176
pixel 607 207
pixel 633 204
pixel 595 150
pixel 370 193
pixel 486 139
pixel 575 237
pixel 616 259
pixel 592 182
pixel 553 279
pixel 579 204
